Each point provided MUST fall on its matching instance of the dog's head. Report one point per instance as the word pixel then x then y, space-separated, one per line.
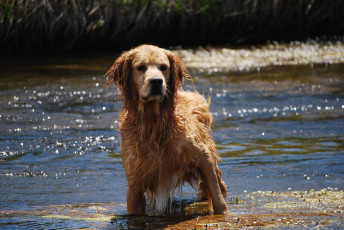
pixel 147 73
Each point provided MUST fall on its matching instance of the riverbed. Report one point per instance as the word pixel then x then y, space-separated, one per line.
pixel 278 127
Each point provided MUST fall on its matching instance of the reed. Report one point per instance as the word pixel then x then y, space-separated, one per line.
pixel 50 26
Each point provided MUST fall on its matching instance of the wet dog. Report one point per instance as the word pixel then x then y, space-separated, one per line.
pixel 165 131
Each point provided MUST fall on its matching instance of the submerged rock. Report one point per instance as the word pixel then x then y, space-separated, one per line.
pixel 261 209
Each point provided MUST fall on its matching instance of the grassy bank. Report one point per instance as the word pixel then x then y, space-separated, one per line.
pixel 257 57
pixel 62 25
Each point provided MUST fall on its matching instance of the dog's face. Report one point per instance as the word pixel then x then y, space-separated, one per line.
pixel 150 73
pixel 147 73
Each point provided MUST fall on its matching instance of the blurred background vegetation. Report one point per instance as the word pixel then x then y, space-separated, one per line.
pixel 50 26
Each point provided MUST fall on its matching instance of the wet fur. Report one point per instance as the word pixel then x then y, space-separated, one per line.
pixel 165 143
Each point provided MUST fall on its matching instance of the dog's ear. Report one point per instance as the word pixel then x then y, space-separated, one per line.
pixel 177 71
pixel 120 73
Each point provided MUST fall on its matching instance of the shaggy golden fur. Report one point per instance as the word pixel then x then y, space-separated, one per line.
pixel 165 131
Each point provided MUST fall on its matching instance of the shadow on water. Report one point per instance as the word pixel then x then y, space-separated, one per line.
pixel 279 130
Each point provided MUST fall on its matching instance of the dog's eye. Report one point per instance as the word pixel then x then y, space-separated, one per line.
pixel 141 68
pixel 163 67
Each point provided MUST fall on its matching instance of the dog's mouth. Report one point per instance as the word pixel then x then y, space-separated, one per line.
pixel 152 97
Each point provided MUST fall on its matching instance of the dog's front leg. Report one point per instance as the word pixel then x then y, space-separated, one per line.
pixel 136 201
pixel 209 175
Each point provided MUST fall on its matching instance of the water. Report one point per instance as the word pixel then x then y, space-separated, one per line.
pixel 278 129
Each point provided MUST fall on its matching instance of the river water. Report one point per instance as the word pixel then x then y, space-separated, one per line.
pixel 277 129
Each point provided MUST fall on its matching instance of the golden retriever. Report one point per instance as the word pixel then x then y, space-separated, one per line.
pixel 165 132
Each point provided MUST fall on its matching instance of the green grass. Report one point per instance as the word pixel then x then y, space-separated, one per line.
pixel 62 25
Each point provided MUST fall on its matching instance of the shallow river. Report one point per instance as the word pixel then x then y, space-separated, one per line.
pixel 278 129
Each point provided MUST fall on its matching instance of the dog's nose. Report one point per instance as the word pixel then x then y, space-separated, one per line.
pixel 156 86
pixel 156 81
